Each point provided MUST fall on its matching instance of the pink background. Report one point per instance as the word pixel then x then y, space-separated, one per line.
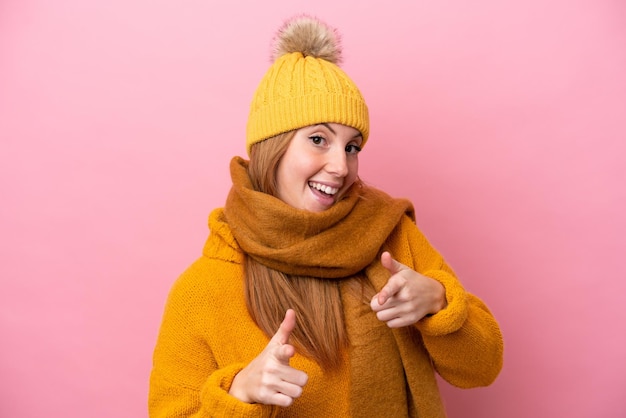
pixel 503 121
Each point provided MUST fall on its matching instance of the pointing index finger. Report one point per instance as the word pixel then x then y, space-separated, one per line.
pixel 286 327
pixel 391 288
pixel 284 351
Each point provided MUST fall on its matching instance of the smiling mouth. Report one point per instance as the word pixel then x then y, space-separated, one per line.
pixel 330 191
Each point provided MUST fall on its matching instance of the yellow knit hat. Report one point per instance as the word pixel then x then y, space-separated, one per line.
pixel 305 86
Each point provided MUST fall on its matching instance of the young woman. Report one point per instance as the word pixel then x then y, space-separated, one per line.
pixel 316 295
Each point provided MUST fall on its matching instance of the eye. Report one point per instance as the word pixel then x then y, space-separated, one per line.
pixel 316 139
pixel 353 149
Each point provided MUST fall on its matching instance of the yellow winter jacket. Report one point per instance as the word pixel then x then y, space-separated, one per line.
pixel 207 337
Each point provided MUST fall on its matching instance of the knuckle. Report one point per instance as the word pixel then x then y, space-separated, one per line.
pixel 271 368
pixel 264 393
pixel 411 298
pixel 264 383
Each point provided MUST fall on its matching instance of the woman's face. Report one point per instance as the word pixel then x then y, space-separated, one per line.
pixel 320 164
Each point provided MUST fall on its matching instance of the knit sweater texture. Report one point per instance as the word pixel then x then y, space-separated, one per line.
pixel 207 337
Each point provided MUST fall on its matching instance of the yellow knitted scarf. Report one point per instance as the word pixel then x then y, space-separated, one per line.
pixel 336 244
pixel 333 244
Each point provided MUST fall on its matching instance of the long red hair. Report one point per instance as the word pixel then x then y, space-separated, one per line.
pixel 320 331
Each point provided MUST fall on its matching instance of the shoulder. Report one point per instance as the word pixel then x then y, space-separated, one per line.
pixel 221 244
pixel 411 247
pixel 406 231
pixel 206 282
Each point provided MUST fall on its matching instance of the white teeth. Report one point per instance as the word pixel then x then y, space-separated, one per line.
pixel 322 188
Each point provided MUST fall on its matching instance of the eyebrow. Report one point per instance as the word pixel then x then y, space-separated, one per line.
pixel 358 135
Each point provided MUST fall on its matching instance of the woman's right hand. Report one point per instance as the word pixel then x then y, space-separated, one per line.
pixel 269 379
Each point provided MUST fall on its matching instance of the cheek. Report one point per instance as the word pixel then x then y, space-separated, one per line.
pixel 292 171
pixel 353 170
pixel 305 166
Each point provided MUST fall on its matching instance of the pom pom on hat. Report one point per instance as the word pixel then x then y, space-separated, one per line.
pixel 305 86
pixel 310 36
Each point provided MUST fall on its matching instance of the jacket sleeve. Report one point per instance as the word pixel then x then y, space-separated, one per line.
pixel 185 380
pixel 464 339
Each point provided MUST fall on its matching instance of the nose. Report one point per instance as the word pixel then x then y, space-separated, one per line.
pixel 337 163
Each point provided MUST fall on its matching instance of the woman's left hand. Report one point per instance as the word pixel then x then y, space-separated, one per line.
pixel 408 296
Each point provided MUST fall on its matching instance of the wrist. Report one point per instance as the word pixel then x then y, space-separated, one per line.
pixel 440 299
pixel 237 389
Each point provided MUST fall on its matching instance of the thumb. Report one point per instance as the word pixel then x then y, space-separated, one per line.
pixel 392 286
pixel 391 264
